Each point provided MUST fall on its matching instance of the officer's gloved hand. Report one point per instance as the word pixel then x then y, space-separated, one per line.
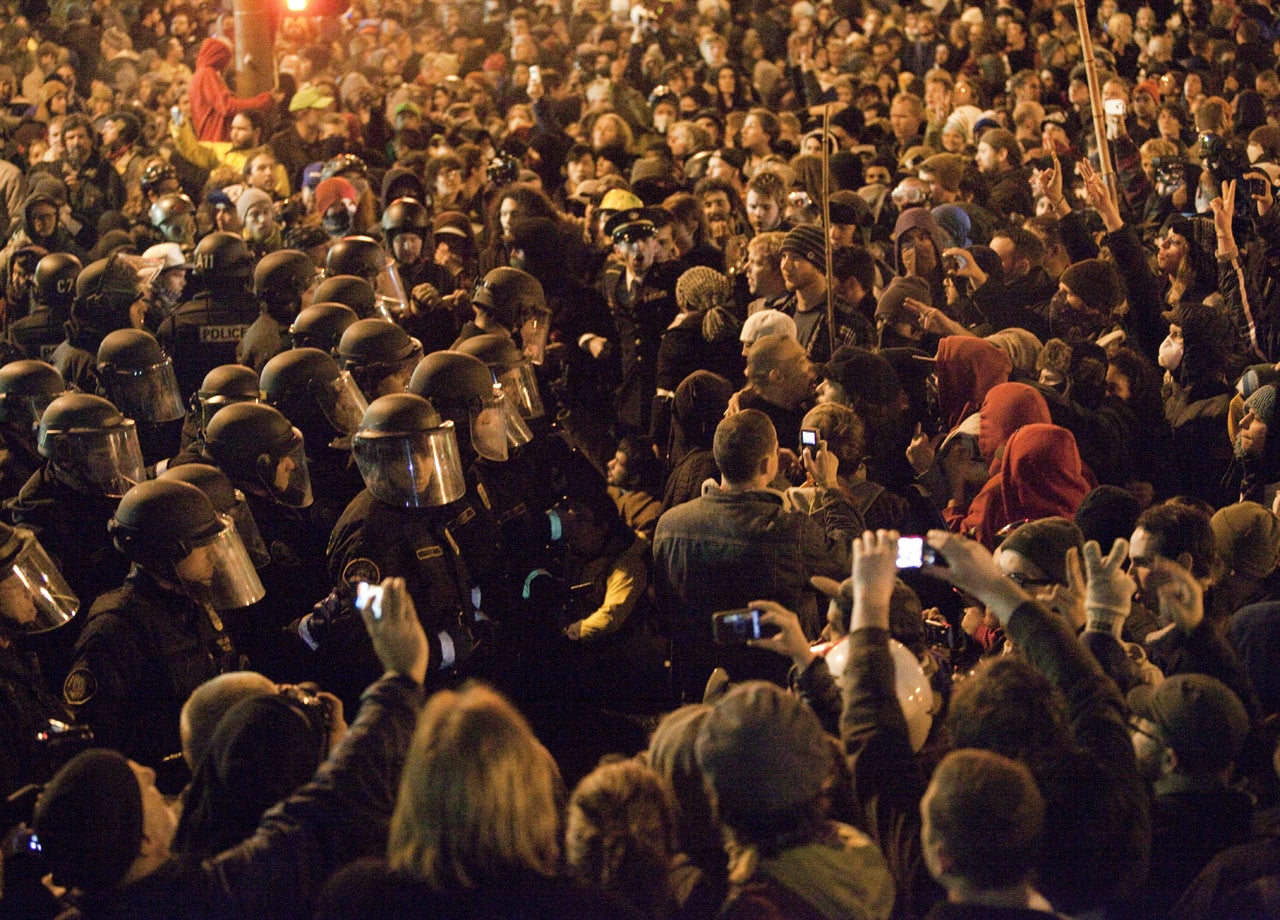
pixel 339 605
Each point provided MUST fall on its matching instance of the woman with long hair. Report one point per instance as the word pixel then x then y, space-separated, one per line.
pixel 476 828
pixel 513 202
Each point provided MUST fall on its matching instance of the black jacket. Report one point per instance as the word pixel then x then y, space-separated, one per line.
pixel 341 815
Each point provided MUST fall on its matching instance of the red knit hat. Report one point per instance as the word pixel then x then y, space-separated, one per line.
pixel 331 191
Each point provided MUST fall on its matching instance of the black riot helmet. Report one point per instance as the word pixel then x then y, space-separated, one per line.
pixel 462 389
pixel 510 295
pixel 226 499
pixel 406 215
pixel 157 175
pixel 138 376
pixel 511 369
pixel 320 326
pixel 172 529
pixel 91 444
pixel 307 385
pixel 348 290
pixel 282 277
pixel 55 280
pixel 224 385
pixel 379 354
pixel 408 456
pixel 362 256
pixel 223 261
pixel 27 387
pixel 261 451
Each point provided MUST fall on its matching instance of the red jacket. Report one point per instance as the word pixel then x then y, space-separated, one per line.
pixel 212 103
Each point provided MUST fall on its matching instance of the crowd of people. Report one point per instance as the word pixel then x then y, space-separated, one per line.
pixel 548 386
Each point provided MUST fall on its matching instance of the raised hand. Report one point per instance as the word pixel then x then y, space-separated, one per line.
pixel 396 632
pixel 790 640
pixel 1109 589
pixel 1224 208
pixel 971 568
pixel 821 466
pixel 875 570
pixel 1180 596
pixel 1100 197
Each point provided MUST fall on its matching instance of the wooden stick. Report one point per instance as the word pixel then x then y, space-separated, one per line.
pixel 826 227
pixel 1105 169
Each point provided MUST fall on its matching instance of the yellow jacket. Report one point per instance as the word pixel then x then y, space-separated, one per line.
pixel 211 154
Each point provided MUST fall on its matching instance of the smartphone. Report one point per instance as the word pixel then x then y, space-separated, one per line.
pixel 736 627
pixel 535 73
pixel 913 552
pixel 1114 107
pixel 175 115
pixel 808 438
pixel 369 597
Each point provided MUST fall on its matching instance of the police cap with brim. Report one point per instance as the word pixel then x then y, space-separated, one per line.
pixel 631 225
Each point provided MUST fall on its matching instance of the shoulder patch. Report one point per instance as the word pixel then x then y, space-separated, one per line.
pixel 429 552
pixel 362 569
pixel 80 686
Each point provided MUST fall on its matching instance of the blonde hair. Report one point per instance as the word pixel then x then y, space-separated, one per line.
pixel 479 798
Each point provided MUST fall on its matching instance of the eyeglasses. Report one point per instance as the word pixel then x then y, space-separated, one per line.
pixel 1024 581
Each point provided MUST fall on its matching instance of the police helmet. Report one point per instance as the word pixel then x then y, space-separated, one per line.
pixel 55 279
pixel 222 256
pixel 321 326
pixel 27 387
pixel 356 255
pixel 284 276
pixel 350 291
pixel 167 207
pixel 406 215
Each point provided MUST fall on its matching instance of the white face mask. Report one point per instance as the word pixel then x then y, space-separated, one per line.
pixel 1170 354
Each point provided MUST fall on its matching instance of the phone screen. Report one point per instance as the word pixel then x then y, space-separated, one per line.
pixel 910 552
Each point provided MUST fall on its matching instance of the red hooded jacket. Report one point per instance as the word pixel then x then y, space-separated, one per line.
pixel 212 103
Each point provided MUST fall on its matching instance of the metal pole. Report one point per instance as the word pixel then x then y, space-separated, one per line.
pixel 826 227
pixel 255 46
pixel 1105 168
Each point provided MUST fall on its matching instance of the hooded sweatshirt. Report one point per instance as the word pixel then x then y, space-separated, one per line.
pixel 212 103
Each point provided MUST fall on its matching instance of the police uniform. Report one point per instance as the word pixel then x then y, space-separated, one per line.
pixel 205 333
pixel 25 709
pixel 72 527
pixel 38 333
pixel 641 315
pixel 374 540
pixel 143 651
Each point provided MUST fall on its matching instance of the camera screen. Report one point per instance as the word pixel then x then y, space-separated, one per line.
pixel 910 552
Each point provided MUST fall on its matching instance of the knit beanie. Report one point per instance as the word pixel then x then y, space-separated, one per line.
pixel 702 288
pixel 1096 283
pixel 891 306
pixel 808 242
pixel 1247 536
pixel 1263 404
pixel 864 374
pixel 1045 543
pixel 764 753
pixel 89 820
pixel 1022 346
pixel 251 196
pixel 331 191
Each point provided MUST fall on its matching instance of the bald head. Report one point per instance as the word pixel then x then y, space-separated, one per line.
pixel 778 367
pixel 209 703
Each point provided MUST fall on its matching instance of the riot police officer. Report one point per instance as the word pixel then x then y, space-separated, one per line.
pixel 206 331
pixel 402 523
pixel 92 457
pixel 34 599
pixel 138 377
pixel 320 326
pixel 503 301
pixel 512 370
pixel 108 297
pixel 265 457
pixel 350 291
pixel 326 405
pixel 364 257
pixel 39 332
pixel 26 389
pixel 149 643
pixel 279 281
pixel 380 356
pixel 406 227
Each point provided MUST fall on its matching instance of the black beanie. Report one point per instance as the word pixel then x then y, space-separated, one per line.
pixel 1045 542
pixel 89 820
pixel 1106 513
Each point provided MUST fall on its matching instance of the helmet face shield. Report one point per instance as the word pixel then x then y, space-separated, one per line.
pixel 492 426
pixel 533 333
pixel 23 412
pixel 391 300
pixel 242 516
pixel 218 571
pixel 285 474
pixel 34 597
pixel 521 387
pixel 343 405
pixel 210 404
pixel 416 469
pixel 106 461
pixel 147 395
